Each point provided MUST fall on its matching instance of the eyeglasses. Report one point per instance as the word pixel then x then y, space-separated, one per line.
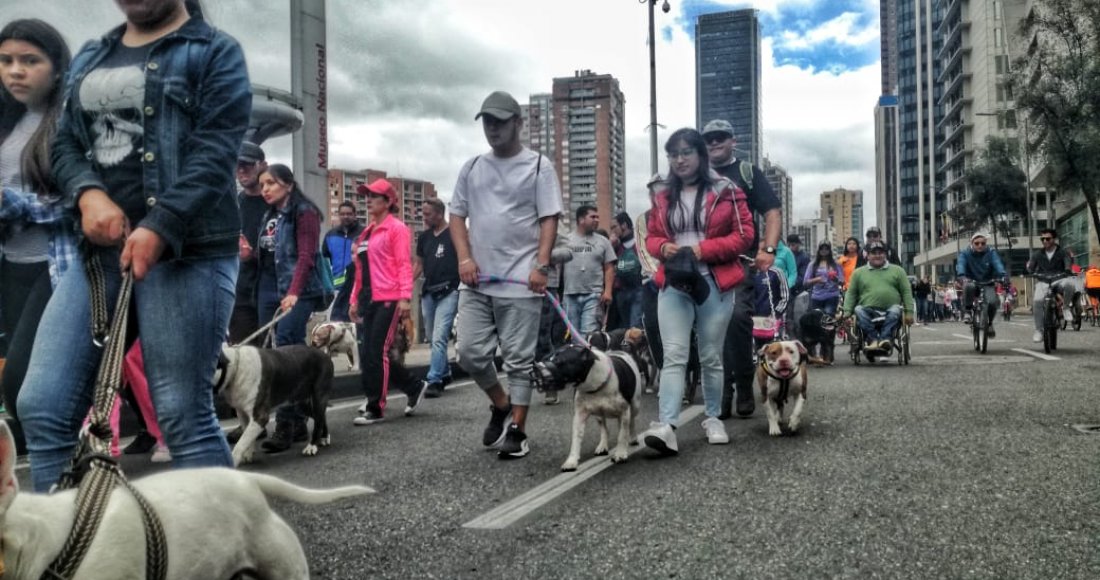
pixel 979 244
pixel 715 139
pixel 1045 238
pixel 682 154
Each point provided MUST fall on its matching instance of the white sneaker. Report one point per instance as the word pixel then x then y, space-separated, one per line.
pixel 1037 336
pixel 661 438
pixel 362 408
pixel 716 431
pixel 161 454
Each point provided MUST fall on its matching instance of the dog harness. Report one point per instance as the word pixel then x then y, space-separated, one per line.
pixel 784 383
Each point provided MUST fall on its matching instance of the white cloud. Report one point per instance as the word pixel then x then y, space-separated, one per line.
pixel 844 29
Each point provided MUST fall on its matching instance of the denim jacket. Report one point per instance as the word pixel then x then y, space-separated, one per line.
pixel 197 106
pixel 286 252
pixel 980 267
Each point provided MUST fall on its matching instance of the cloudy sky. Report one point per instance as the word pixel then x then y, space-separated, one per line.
pixel 405 79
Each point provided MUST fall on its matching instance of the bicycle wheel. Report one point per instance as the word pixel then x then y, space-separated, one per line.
pixel 1077 316
pixel 1049 329
pixel 983 330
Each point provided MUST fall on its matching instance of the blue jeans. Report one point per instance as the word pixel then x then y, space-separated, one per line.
pixel 583 312
pixel 828 305
pixel 182 310
pixel 677 314
pixel 439 316
pixel 628 303
pixel 864 316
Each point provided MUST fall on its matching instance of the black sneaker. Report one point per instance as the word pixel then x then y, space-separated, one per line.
pixel 433 390
pixel 142 443
pixel 414 396
pixel 447 380
pixel 285 435
pixel 494 432
pixel 232 437
pixel 515 444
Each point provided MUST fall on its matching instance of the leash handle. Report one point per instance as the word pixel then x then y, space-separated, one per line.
pixel 573 334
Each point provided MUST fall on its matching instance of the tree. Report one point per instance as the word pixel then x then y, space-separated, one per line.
pixel 997 186
pixel 1057 88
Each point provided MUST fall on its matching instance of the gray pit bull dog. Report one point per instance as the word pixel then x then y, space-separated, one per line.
pixel 217 524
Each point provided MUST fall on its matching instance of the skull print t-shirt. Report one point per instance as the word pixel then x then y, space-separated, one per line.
pixel 112 96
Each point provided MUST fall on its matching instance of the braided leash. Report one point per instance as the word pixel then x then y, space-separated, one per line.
pixel 92 468
pixel 573 334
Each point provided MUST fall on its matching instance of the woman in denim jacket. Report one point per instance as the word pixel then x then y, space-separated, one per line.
pixel 145 150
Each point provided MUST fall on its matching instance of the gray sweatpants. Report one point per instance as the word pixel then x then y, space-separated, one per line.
pixel 484 322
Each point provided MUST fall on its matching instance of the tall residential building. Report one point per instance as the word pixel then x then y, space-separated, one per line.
pixel 538 124
pixel 342 185
pixel 589 145
pixel 783 187
pixel 727 82
pixel 888 43
pixel 920 86
pixel 888 211
pixel 842 209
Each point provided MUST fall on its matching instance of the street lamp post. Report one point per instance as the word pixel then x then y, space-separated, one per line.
pixel 653 84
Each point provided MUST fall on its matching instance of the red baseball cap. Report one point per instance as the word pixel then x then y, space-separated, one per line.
pixel 379 187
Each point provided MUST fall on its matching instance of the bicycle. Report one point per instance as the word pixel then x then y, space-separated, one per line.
pixel 979 317
pixel 1007 307
pixel 1052 311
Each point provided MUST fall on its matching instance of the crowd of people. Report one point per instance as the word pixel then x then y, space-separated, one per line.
pixel 221 243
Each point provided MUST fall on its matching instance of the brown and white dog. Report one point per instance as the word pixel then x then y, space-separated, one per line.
pixel 607 387
pixel 217 523
pixel 336 338
pixel 781 375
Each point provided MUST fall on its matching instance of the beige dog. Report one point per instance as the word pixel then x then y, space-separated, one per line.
pixel 781 376
pixel 336 338
pixel 217 524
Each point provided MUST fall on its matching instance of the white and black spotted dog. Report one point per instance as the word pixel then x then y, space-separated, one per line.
pixel 632 341
pixel 336 338
pixel 256 380
pixel 608 386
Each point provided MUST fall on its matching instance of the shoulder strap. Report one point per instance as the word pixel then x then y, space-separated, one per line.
pixel 746 175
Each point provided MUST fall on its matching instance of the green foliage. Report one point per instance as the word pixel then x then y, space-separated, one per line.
pixel 1057 88
pixel 997 185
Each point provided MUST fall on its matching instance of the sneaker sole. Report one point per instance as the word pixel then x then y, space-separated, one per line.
pixel 524 449
pixel 363 422
pixel 503 433
pixel 657 444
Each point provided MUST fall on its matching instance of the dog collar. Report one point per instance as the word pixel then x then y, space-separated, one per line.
pixel 771 373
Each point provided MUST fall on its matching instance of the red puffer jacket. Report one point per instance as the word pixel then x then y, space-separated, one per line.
pixel 728 227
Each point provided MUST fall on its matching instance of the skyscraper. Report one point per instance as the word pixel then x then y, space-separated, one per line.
pixel 888 42
pixel 783 188
pixel 888 213
pixel 538 124
pixel 589 145
pixel 842 209
pixel 727 82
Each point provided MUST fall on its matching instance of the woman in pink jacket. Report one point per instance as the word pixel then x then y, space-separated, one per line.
pixel 380 300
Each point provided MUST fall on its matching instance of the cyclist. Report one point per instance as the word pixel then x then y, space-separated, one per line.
pixel 1051 259
pixel 980 264
pixel 875 289
pixel 1092 288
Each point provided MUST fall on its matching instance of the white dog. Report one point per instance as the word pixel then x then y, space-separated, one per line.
pixel 217 524
pixel 336 338
pixel 781 376
pixel 607 387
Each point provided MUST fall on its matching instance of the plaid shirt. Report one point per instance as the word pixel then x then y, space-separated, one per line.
pixel 23 207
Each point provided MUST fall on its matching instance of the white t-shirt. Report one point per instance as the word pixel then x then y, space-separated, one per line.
pixel 502 200
pixel 584 273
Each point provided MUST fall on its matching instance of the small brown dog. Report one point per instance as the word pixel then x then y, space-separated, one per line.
pixel 782 375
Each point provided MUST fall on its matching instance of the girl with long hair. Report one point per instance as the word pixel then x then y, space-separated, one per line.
pixel 699 224
pixel 851 259
pixel 36 231
pixel 824 277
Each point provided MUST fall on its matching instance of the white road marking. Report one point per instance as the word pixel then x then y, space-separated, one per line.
pixel 515 509
pixel 966 336
pixel 1038 355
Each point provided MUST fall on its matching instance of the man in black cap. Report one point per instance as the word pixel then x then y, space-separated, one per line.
pixel 251 162
pixel 738 349
pixel 874 235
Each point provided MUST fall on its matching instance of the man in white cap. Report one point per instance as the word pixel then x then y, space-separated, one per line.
pixel 980 264
pixel 504 220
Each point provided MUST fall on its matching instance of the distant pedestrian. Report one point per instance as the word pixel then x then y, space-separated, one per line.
pixel 437 261
pixel 801 260
pixel 627 299
pixel 250 201
pixel 823 279
pixel 590 275
pixel 337 248
pixel 380 301
pixel 504 220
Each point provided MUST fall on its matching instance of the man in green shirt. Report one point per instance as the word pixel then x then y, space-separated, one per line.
pixel 875 289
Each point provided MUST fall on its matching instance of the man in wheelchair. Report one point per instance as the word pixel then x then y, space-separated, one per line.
pixel 880 296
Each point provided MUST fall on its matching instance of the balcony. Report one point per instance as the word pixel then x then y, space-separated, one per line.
pixel 951 63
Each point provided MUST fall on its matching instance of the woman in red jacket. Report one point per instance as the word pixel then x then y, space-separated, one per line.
pixel 699 224
pixel 380 300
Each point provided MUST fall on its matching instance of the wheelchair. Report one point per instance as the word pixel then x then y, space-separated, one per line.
pixel 899 343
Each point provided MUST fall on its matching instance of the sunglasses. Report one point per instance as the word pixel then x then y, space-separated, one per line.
pixel 979 244
pixel 1046 238
pixel 715 140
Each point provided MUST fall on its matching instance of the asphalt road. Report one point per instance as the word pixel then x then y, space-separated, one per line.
pixel 958 466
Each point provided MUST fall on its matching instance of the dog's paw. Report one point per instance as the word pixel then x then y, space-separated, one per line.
pixel 310 450
pixel 618 456
pixel 240 459
pixel 325 441
pixel 793 424
pixel 774 430
pixel 634 442
pixel 600 451
pixel 570 464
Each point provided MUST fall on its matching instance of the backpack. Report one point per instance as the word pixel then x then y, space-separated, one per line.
pixel 746 175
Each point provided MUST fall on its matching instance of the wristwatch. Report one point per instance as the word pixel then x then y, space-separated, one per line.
pixel 769 250
pixel 543 269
